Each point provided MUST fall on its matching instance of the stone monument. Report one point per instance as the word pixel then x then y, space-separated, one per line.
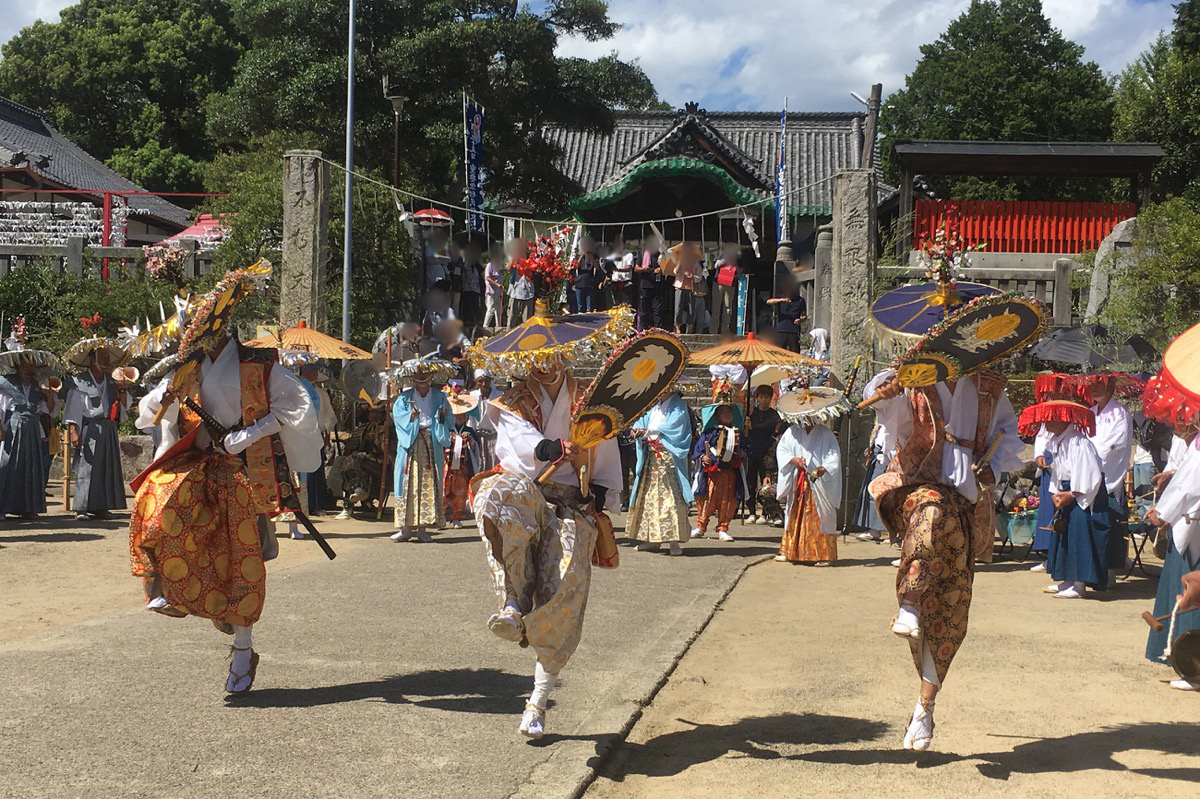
pixel 305 240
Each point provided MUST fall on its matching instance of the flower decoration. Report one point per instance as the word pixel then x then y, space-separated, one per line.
pixel 20 333
pixel 165 261
pixel 946 255
pixel 545 267
pixel 90 323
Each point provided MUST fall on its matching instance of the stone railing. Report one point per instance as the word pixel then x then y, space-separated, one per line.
pixel 69 259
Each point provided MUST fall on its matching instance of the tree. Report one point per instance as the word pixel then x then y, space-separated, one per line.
pixel 252 205
pixel 1158 99
pixel 1158 295
pixel 1001 72
pixel 127 80
pixel 292 78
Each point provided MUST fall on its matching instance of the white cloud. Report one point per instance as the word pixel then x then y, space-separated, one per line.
pixel 734 56
pixel 22 13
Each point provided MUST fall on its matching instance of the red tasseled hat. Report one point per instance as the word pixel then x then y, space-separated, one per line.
pixel 1058 386
pixel 1124 385
pixel 1076 413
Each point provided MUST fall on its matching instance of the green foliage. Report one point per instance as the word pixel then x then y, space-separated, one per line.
pixel 1001 72
pixel 53 303
pixel 253 209
pixel 292 78
pixel 1159 297
pixel 127 80
pixel 1158 99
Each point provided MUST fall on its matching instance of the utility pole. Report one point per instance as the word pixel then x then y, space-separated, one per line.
pixel 347 269
pixel 872 128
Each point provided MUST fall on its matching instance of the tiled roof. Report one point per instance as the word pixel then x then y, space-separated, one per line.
pixel 23 130
pixel 818 146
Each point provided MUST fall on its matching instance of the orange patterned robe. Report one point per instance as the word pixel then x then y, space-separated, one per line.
pixel 803 541
pixel 196 517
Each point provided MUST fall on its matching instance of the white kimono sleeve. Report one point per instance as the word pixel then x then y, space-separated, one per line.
pixel 1080 465
pixel 299 430
pixel 1007 457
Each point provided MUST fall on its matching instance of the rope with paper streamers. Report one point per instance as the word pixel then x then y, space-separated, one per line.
pixel 358 176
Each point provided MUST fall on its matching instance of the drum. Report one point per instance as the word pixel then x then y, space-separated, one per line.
pixel 727 443
pixel 1185 656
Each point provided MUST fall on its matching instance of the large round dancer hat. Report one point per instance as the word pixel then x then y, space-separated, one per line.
pixel 543 340
pixel 78 355
pixel 1173 395
pixel 817 403
pixel 909 312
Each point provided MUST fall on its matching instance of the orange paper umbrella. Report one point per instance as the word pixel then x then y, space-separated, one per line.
pixel 750 353
pixel 304 338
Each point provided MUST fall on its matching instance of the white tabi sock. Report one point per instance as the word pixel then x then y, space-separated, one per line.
pixel 543 681
pixel 242 643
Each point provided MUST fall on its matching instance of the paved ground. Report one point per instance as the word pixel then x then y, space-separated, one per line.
pixel 797 688
pixel 378 676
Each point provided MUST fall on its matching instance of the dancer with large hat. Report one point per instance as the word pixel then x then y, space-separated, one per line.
pixel 420 415
pixel 1082 521
pixel 539 535
pixel 238 424
pixel 954 429
pixel 96 405
pixel 809 462
pixel 1173 397
pixel 26 409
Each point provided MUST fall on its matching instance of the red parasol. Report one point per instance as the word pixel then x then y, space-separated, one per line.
pixel 432 217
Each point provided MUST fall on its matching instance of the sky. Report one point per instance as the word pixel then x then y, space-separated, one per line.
pixel 749 56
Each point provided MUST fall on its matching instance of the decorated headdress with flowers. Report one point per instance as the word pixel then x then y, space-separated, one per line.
pixel 460 400
pixel 1076 413
pixel 16 352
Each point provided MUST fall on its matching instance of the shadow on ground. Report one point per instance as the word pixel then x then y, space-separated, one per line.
pixel 1085 751
pixel 457 690
pixel 671 754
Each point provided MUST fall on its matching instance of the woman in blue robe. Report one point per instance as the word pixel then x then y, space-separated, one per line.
pixel 661 490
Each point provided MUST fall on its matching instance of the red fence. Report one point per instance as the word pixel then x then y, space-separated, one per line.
pixel 1066 228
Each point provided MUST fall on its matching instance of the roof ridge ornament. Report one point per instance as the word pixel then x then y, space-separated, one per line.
pixel 692 109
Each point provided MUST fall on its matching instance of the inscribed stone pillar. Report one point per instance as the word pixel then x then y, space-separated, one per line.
pixel 852 277
pixel 305 240
pixel 853 266
pixel 822 314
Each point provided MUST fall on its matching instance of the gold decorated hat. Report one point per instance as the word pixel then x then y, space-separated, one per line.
pixel 209 324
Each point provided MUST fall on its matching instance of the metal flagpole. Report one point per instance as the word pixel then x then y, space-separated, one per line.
pixel 349 209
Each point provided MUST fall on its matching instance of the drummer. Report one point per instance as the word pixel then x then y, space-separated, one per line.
pixel 1177 511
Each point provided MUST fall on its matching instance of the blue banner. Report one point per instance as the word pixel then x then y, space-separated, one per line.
pixel 473 114
pixel 743 300
pixel 781 204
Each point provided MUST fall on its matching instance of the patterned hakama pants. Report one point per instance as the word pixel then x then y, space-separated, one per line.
pixel 658 513
pixel 419 503
pixel 540 557
pixel 936 565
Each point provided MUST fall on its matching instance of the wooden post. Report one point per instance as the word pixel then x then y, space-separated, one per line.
pixel 872 128
pixel 904 222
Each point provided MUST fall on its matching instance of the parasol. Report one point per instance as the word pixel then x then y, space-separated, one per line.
pixel 304 338
pixel 78 354
pixel 432 217
pixel 972 338
pixel 543 339
pixel 1173 395
pixel 460 401
pixel 751 353
pixel 770 373
pixel 909 312
pixel 819 403
pixel 1091 347
pixel 633 379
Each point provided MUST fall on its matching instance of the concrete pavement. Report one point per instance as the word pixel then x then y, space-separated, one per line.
pixel 378 675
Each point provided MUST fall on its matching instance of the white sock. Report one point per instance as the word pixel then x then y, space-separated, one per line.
pixel 543 681
pixel 908 615
pixel 241 657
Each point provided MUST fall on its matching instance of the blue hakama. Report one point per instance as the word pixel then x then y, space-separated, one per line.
pixel 1080 554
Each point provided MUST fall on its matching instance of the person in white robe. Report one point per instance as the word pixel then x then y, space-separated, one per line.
pixel 1114 444
pixel 485 390
pixel 539 539
pixel 1082 508
pixel 809 463
pixel 1177 514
